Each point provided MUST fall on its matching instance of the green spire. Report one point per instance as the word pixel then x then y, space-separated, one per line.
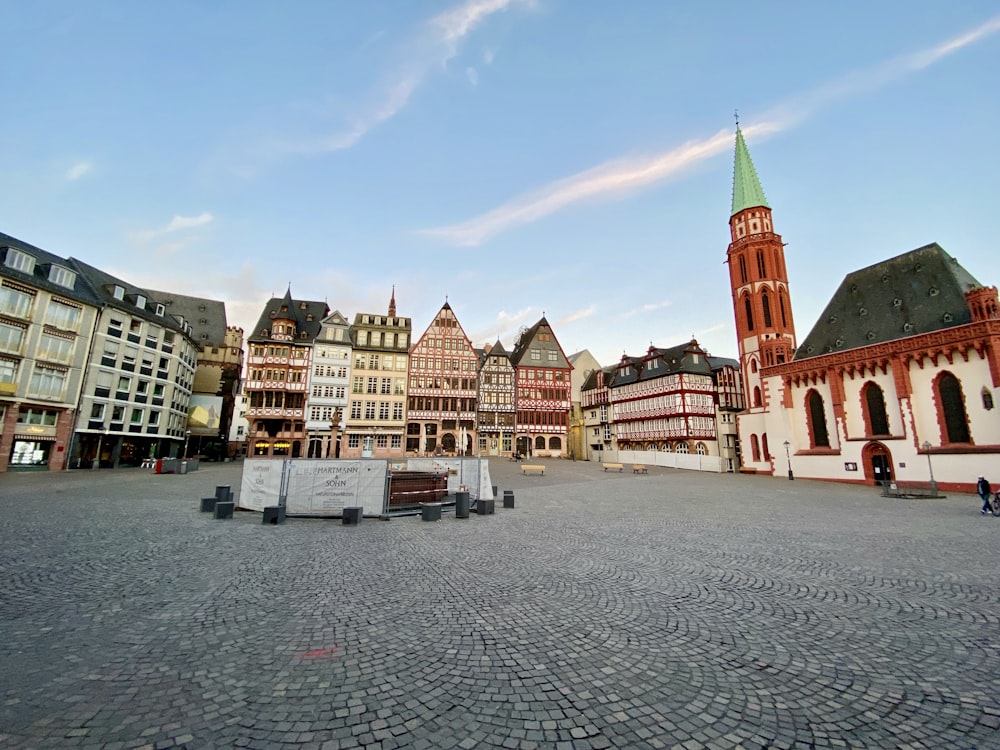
pixel 747 192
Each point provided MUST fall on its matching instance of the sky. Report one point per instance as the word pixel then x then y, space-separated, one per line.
pixel 515 158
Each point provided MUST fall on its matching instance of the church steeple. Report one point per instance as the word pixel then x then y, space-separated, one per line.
pixel 759 281
pixel 747 192
pixel 392 303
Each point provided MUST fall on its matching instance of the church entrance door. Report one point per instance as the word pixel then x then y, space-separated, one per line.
pixel 878 464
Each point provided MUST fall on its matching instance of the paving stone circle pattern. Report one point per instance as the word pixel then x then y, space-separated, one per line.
pixel 668 610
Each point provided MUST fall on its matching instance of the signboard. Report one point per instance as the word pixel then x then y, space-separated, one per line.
pixel 204 414
pixel 324 488
pixel 261 483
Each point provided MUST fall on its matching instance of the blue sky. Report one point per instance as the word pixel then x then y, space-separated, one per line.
pixel 519 157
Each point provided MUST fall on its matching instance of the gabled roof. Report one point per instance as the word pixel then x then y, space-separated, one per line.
pixel 687 357
pixel 914 293
pixel 529 337
pixel 747 192
pixel 307 315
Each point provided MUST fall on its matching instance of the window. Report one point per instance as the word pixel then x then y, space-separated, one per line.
pixel 553 356
pixel 97 412
pixel 816 420
pixel 62 276
pixel 154 418
pixel 765 303
pixel 123 384
pixel 136 417
pixel 44 417
pixel 54 348
pixel 11 338
pixel 397 411
pixel 15 303
pixel 369 410
pixel 755 448
pixel 19 261
pixel 63 316
pixel 536 354
pixel 987 399
pixel 47 382
pixel 8 371
pixel 876 421
pixel 748 307
pixel 743 270
pixel 951 409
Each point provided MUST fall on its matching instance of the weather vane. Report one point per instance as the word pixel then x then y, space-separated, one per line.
pixel 736 114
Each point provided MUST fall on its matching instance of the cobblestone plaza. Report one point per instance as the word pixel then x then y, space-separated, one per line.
pixel 673 609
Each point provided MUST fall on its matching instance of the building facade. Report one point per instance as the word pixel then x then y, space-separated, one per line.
pixel 139 379
pixel 497 410
pixel 441 404
pixel 584 365
pixel 278 368
pixel 542 392
pixel 895 383
pixel 47 319
pixel 376 417
pixel 329 381
pixel 595 403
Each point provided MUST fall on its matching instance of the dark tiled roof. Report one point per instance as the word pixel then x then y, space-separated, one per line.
pixel 207 317
pixel 914 293
pixel 306 314
pixel 81 291
pixel 680 358
pixel 717 363
pixel 103 285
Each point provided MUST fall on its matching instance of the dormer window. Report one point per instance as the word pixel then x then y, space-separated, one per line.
pixel 160 310
pixel 19 261
pixel 118 292
pixel 140 301
pixel 62 276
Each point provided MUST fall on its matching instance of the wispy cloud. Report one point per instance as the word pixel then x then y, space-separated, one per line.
pixel 577 315
pixel 648 307
pixel 505 327
pixel 622 176
pixel 176 224
pixel 77 171
pixel 435 43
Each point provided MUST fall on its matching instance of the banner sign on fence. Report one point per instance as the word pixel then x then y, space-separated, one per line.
pixel 261 483
pixel 319 487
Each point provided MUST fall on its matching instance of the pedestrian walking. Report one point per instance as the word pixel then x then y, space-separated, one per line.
pixel 983 488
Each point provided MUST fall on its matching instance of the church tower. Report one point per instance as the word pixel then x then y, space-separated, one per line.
pixel 756 257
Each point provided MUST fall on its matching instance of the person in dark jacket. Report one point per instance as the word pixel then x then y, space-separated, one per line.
pixel 983 488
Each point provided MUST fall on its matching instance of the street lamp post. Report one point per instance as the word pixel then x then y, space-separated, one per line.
pixel 100 445
pixel 788 458
pixel 930 469
pixel 187 436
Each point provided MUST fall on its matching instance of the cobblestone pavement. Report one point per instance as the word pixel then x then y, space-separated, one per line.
pixel 675 609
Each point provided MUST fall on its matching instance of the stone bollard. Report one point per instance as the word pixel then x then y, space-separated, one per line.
pixel 224 510
pixel 223 493
pixel 484 506
pixel 208 504
pixel 508 498
pixel 352 516
pixel 273 514
pixel 430 511
pixel 461 505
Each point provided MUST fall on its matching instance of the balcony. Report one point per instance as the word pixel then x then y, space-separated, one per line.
pixel 274 412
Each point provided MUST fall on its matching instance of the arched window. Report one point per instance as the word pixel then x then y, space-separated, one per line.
pixel 816 417
pixel 755 448
pixel 701 449
pixel 781 307
pixel 753 365
pixel 876 421
pixel 539 443
pixel 951 409
pixel 757 400
pixel 682 447
pixel 749 311
pixel 743 269
pixel 761 269
pixel 765 303
pixel 555 444
pixel 763 445
pixel 987 399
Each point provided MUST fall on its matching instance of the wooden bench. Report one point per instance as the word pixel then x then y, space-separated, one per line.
pixel 525 468
pixel 609 467
pixel 639 469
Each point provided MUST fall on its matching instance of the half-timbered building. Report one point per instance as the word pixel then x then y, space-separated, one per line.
pixel 496 405
pixel 664 400
pixel 542 392
pixel 441 399
pixel 278 365
pixel 595 402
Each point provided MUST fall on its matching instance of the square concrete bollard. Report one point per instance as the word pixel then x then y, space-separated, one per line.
pixel 508 498
pixel 208 504
pixel 274 514
pixel 430 511
pixel 223 493
pixel 224 510
pixel 352 516
pixel 485 507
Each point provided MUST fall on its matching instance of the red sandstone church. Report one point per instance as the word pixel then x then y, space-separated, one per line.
pixel 896 380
